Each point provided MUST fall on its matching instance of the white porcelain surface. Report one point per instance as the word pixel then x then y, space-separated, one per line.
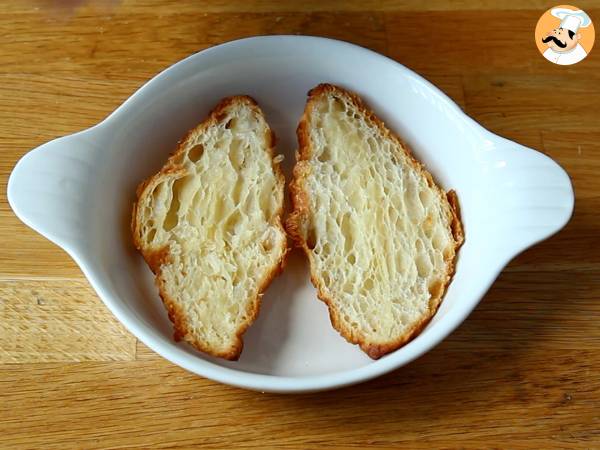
pixel 77 191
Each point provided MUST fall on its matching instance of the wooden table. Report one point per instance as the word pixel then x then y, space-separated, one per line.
pixel 522 371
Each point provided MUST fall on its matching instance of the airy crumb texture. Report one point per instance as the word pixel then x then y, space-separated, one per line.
pixel 209 226
pixel 380 235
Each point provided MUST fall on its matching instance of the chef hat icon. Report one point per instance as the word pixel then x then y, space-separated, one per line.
pixel 571 19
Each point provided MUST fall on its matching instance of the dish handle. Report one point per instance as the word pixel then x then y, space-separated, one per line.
pixel 532 196
pixel 51 188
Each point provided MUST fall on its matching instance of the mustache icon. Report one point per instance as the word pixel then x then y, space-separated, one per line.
pixel 555 40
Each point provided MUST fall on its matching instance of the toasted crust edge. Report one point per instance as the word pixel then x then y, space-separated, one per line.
pixel 156 258
pixel 300 210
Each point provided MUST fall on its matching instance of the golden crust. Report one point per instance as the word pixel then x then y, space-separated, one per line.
pixel 156 258
pixel 297 221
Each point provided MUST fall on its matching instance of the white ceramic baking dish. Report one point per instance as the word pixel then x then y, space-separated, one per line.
pixel 77 191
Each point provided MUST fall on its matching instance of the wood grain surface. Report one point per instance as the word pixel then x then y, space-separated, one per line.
pixel 522 372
